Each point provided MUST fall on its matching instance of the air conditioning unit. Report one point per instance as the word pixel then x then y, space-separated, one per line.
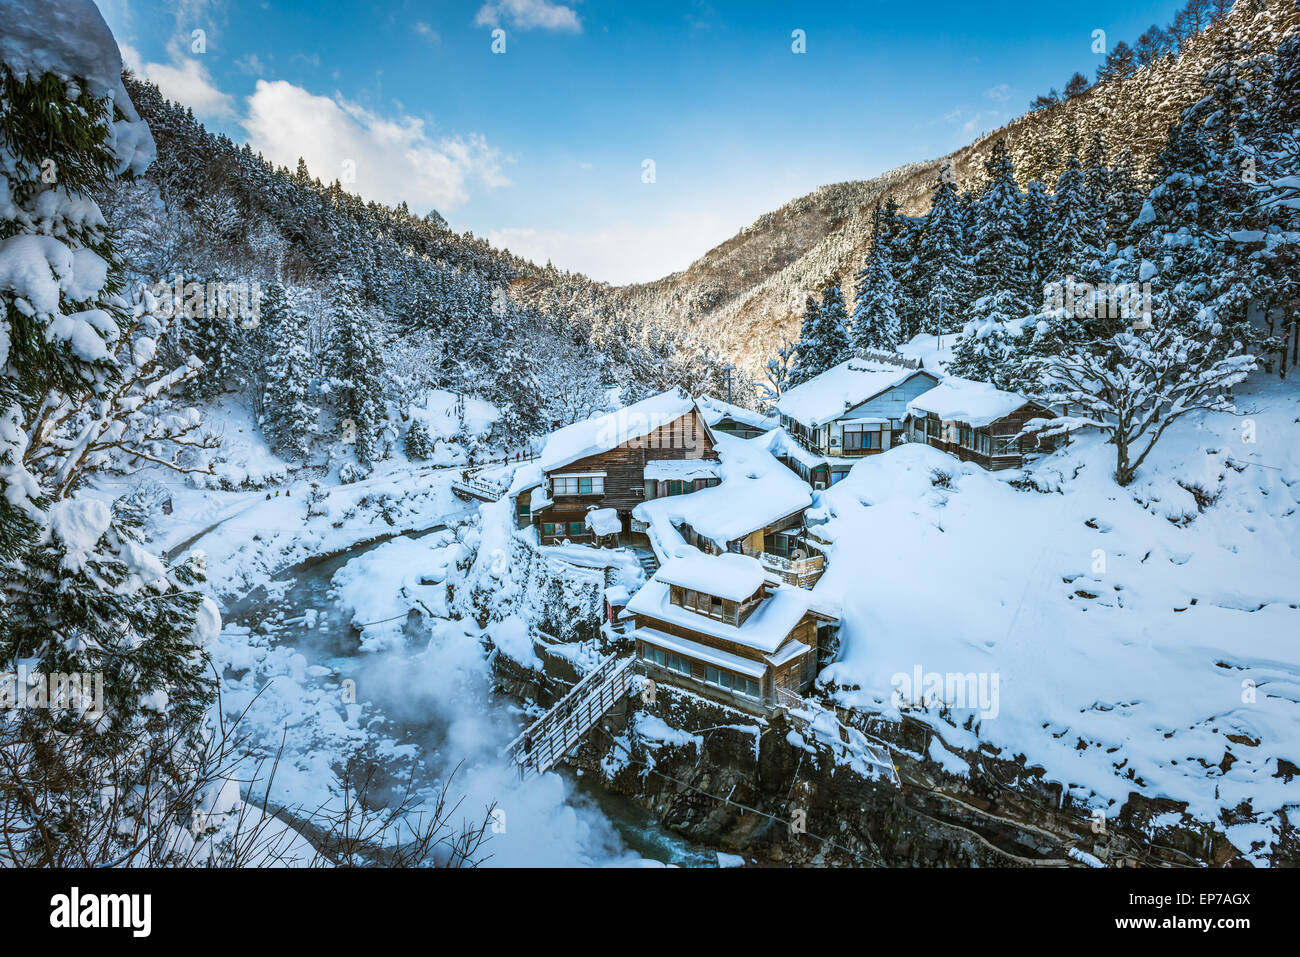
pixel 819 486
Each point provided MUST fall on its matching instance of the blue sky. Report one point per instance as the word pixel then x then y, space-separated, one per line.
pixel 542 148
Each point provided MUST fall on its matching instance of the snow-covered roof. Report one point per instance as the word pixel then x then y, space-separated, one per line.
pixel 604 521
pixel 963 400
pixel 781 442
pixel 611 429
pixel 764 630
pixel 729 576
pixel 838 389
pixel 528 475
pixel 755 491
pixel 715 410
pixel 664 469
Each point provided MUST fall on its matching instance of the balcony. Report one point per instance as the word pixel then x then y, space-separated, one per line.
pixel 800 572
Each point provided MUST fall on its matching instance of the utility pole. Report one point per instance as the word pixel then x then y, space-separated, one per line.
pixel 728 371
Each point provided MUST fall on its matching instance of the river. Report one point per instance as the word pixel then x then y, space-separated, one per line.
pixel 333 643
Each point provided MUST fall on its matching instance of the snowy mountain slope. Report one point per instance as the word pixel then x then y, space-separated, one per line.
pixel 747 293
pixel 1143 639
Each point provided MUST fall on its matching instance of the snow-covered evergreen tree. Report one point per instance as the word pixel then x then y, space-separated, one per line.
pixel 355 367
pixel 79 591
pixel 875 311
pixel 1000 256
pixel 944 267
pixel 824 338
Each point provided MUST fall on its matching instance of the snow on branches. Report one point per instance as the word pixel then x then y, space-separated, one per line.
pixel 1133 386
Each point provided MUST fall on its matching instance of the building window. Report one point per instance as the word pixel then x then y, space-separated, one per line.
pixel 932 428
pixel 548 529
pixel 965 436
pixel 577 528
pixel 677 487
pixel 578 485
pixel 522 507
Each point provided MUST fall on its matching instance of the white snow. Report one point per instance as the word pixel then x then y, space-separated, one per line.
pixel 978 404
pixel 755 491
pixel 70 39
pixel 1131 632
pixel 765 630
pixel 840 388
pixel 604 521
pixel 727 576
pixel 681 469
pixel 715 410
pixel 611 429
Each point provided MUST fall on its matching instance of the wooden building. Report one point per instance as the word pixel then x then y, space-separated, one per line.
pixel 855 409
pixel 718 626
pixel 734 419
pixel 601 464
pixel 977 423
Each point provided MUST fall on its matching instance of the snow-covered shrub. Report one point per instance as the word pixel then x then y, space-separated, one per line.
pixel 418 443
pixel 353 472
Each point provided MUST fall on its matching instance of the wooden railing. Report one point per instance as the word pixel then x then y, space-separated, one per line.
pixel 480 488
pixel 547 740
pixel 800 572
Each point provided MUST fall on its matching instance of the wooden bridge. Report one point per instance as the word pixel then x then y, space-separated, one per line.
pixel 550 737
pixel 472 486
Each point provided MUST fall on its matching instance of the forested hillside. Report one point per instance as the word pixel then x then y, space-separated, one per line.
pixel 749 294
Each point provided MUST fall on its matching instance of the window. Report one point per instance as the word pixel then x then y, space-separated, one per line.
pixel 577 528
pixel 578 485
pixel 982 443
pixel 858 438
pixel 548 529
pixel 932 428
pixel 522 507
pixel 677 487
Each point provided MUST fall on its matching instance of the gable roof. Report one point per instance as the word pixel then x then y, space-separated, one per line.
pixel 978 404
pixel 764 630
pixel 611 429
pixel 715 410
pixel 755 491
pixel 842 387
pixel 729 576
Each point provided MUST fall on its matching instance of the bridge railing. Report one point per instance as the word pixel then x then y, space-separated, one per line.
pixel 545 742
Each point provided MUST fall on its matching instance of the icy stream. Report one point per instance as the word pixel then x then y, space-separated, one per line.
pixel 433 693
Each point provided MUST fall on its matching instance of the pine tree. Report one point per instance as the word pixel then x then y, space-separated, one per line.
pixel 942 258
pixel 291 419
pixel 1075 241
pixel 355 368
pixel 418 443
pixel 876 322
pixel 1037 236
pixel 1124 197
pixel 823 339
pixel 986 351
pixel 83 782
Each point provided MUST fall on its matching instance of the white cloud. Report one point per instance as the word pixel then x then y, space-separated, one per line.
pixel 527 14
pixel 185 80
pixel 623 252
pixel 999 92
pixel 394 159
pixel 251 64
pixel 428 32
